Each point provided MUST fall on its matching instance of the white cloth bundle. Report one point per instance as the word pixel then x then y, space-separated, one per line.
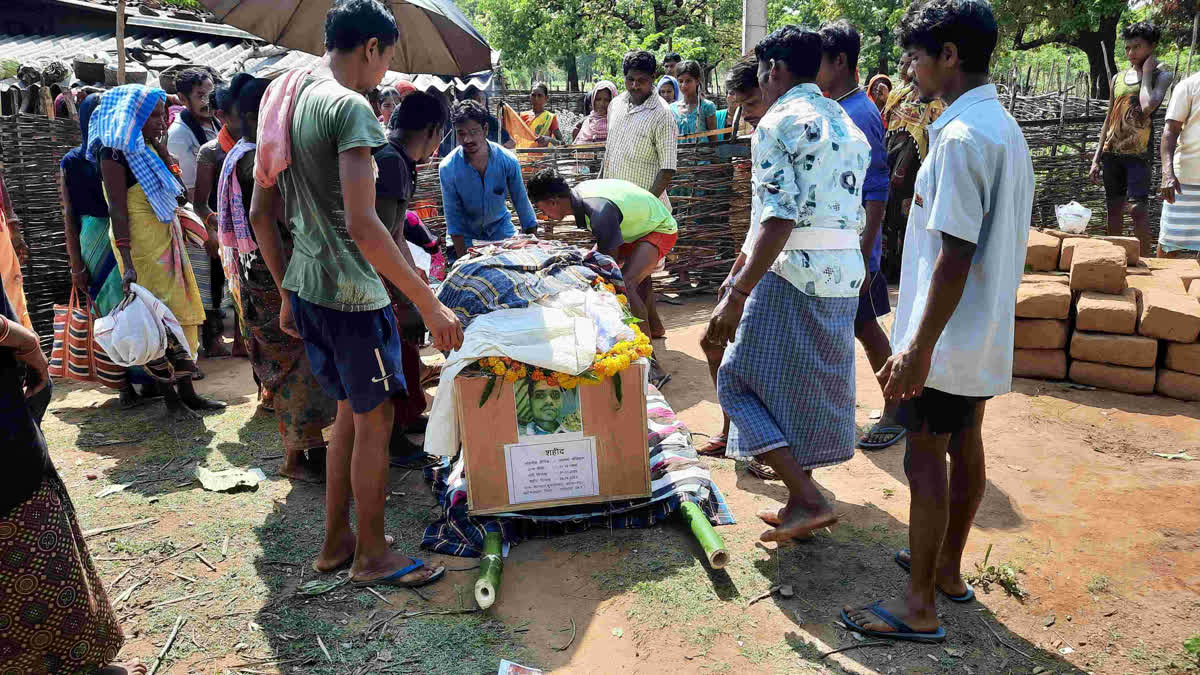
pixel 135 332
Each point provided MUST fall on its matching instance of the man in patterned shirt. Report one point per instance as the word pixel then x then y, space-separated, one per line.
pixel 642 148
pixel 787 380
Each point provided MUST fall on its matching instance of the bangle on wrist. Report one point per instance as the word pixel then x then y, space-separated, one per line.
pixel 738 290
pixel 27 352
pixel 4 330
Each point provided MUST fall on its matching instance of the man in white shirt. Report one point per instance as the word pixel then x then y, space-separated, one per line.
pixel 1179 232
pixel 195 124
pixel 952 341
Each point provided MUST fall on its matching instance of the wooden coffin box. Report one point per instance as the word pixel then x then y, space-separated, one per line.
pixel 530 446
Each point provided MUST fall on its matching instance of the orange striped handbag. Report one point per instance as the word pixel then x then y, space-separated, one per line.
pixel 75 354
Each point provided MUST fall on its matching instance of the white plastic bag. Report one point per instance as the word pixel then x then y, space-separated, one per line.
pixel 1073 217
pixel 135 333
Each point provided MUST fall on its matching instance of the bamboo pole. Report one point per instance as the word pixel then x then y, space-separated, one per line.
pixel 120 42
pixel 491 565
pixel 1192 50
pixel 1107 68
pixel 710 541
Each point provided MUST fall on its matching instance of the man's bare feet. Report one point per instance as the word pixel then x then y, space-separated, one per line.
pixel 342 554
pixel 122 669
pixel 922 620
pixel 388 565
pixel 179 413
pixel 774 517
pixel 948 577
pixel 798 524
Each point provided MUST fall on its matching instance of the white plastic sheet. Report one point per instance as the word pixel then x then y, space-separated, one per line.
pixel 1073 217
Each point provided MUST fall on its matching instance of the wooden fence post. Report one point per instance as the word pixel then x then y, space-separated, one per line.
pixel 1192 50
pixel 120 42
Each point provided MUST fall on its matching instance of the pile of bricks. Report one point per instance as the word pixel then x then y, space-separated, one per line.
pixel 1090 310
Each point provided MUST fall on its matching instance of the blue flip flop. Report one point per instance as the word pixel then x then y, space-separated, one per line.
pixel 903 631
pixel 960 599
pixel 899 431
pixel 394 578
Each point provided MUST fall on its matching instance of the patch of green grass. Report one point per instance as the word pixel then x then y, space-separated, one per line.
pixel 1191 647
pixel 1099 583
pixel 889 492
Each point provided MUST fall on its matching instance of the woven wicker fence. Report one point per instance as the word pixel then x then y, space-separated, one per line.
pixel 712 208
pixel 30 149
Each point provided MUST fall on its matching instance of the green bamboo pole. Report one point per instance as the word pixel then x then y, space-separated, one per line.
pixel 490 567
pixel 710 541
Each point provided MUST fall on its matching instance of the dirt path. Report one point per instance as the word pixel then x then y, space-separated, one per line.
pixel 1106 533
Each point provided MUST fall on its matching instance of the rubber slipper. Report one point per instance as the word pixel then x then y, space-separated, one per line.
pixel 661 381
pixel 903 631
pixel 715 447
pixel 394 579
pixel 762 471
pixel 899 431
pixel 963 599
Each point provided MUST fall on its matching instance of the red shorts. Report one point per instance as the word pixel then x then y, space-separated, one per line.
pixel 662 241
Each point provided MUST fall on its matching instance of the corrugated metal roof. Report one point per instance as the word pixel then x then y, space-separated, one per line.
pixel 220 53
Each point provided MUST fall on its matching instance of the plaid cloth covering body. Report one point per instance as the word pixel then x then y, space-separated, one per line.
pixel 496 278
pixel 675 475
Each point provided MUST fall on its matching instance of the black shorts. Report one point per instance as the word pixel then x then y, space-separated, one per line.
pixel 1126 178
pixel 937 412
pixel 873 303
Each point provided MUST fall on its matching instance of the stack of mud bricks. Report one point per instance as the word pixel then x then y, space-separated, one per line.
pixel 1113 322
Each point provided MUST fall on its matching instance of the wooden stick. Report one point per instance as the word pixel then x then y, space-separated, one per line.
pixel 997 636
pixel 178 622
pixel 118 528
pixel 206 563
pixel 321 644
pixel 377 594
pixel 225 546
pixel 184 577
pixel 118 579
pixel 177 554
pixel 1192 49
pixel 121 70
pixel 880 643
pixel 175 600
pixel 129 591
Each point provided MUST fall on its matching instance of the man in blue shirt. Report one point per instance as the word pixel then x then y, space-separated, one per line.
pixel 476 178
pixel 838 78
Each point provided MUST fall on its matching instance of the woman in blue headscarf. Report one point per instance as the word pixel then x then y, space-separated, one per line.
pixel 126 136
pixel 668 89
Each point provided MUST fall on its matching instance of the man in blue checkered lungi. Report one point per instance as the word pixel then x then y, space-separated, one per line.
pixel 788 306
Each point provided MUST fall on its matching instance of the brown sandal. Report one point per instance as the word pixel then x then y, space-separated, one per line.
pixel 761 470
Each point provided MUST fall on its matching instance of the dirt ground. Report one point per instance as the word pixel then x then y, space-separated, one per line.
pixel 1106 536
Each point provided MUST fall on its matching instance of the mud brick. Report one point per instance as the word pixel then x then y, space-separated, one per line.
pixel 1067 250
pixel 1121 350
pixel 1117 378
pixel 1138 268
pixel 1040 334
pixel 1169 316
pixel 1194 289
pixel 1147 283
pixel 1106 312
pixel 1096 268
pixel 1041 253
pixel 1050 364
pixel 1177 264
pixel 1064 279
pixel 1172 279
pixel 1059 234
pixel 1184 358
pixel 1043 301
pixel 1133 247
pixel 1183 386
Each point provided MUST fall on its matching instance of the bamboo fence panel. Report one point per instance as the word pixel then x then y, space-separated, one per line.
pixel 30 149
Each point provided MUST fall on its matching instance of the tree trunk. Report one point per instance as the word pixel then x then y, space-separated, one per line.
pixel 885 50
pixel 571 65
pixel 1089 43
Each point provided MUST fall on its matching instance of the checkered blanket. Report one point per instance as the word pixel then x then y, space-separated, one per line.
pixel 675 475
pixel 499 278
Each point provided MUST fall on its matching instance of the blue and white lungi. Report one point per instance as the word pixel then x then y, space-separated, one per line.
pixel 1180 226
pixel 787 381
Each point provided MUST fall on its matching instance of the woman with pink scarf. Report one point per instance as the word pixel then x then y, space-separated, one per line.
pixel 594 128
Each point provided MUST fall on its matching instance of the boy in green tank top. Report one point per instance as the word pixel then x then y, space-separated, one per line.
pixel 631 225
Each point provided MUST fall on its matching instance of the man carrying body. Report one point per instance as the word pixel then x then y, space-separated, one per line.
pixel 1179 234
pixel 476 179
pixel 333 297
pixel 952 342
pixel 642 146
pixel 787 380
pixel 840 45
pixel 1123 154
